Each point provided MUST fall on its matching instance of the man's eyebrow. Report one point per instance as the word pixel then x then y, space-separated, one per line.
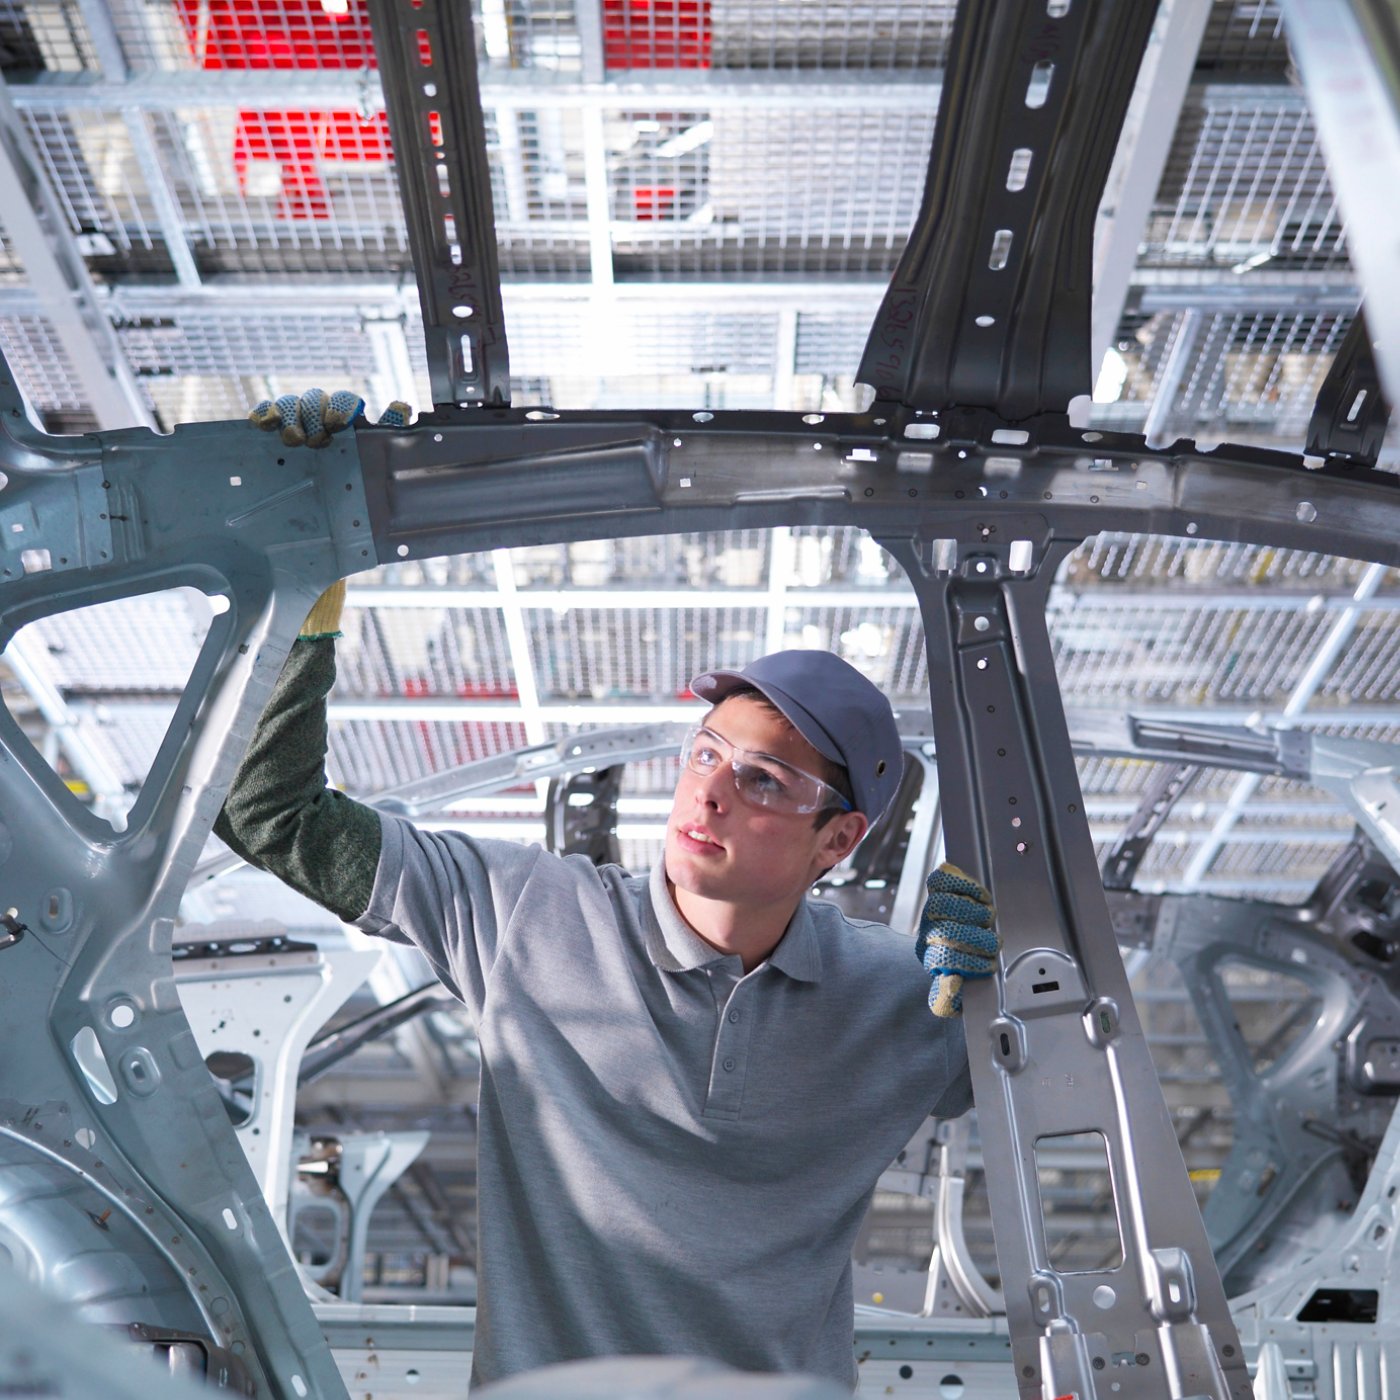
pixel 757 753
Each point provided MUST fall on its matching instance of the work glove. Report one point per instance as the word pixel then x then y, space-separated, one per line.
pixel 957 937
pixel 308 420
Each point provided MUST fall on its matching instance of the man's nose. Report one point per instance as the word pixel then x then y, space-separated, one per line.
pixel 714 788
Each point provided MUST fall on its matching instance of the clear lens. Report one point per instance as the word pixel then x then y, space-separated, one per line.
pixel 760 781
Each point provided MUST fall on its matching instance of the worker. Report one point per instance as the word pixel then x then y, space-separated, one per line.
pixel 690 1082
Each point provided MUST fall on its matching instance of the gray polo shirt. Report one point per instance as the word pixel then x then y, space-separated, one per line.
pixel 673 1156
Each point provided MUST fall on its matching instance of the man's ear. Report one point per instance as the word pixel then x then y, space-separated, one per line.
pixel 840 836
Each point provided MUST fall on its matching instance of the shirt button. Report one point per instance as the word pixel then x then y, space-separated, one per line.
pixel 729 1064
pixel 733 1015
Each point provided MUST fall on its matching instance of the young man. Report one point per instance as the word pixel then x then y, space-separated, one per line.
pixel 690 1082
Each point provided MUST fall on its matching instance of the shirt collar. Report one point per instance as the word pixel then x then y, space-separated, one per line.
pixel 674 946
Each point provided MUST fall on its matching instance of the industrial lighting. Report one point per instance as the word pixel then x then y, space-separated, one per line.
pixel 1113 374
pixel 687 141
pixel 495 29
pixel 1255 260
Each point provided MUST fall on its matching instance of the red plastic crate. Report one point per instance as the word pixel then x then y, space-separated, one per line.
pixel 656 33
pixel 290 34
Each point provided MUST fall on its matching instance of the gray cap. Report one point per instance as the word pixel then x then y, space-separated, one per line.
pixel 841 714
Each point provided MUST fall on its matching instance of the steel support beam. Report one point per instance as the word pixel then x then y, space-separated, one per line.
pixel 1152 291
pixel 785 356
pixel 612 712
pixel 522 88
pixel 1178 289
pixel 1135 177
pixel 1064 600
pixel 781 556
pixel 522 657
pixel 1180 361
pixel 990 303
pixel 112 64
pixel 1348 53
pixel 393 372
pixel 38 230
pixel 1309 683
pixel 427 57
pixel 78 731
pixel 685 89
pixel 1055 1045
pixel 588 15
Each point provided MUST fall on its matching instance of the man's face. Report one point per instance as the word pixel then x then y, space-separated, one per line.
pixel 718 847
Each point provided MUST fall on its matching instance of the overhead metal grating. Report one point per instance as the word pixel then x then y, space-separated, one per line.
pixel 212 344
pixel 198 398
pixel 875 35
pixel 281 193
pixel 41 366
pixel 1258 373
pixel 91 163
pixel 143 644
pixel 262 35
pixel 694 193
pixel 426 651
pixel 537 168
pixel 1113 654
pixel 844 556
pixel 52 36
pixel 884 644
pixel 1143 351
pixel 1246 186
pixel 1244 36
pixel 636 653
pixel 448 571
pixel 830 343
pixel 1164 561
pixel 728 559
pixel 202 365
pixel 370 756
pixel 767 35
pixel 541 36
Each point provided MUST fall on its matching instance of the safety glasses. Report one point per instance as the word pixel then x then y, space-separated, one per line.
pixel 761 780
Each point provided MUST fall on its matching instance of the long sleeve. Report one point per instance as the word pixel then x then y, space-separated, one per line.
pixel 279 814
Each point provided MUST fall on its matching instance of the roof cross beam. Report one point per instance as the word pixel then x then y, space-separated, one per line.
pixel 989 306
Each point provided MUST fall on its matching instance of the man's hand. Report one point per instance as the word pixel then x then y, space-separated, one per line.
pixel 957 937
pixel 309 419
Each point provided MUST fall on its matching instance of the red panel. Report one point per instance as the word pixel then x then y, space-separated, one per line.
pixel 263 34
pixel 276 34
pixel 656 33
pixel 299 142
pixel 650 202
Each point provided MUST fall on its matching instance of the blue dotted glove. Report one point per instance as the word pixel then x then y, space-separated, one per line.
pixel 957 937
pixel 309 419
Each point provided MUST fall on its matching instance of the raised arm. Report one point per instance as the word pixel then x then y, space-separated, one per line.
pixel 279 814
